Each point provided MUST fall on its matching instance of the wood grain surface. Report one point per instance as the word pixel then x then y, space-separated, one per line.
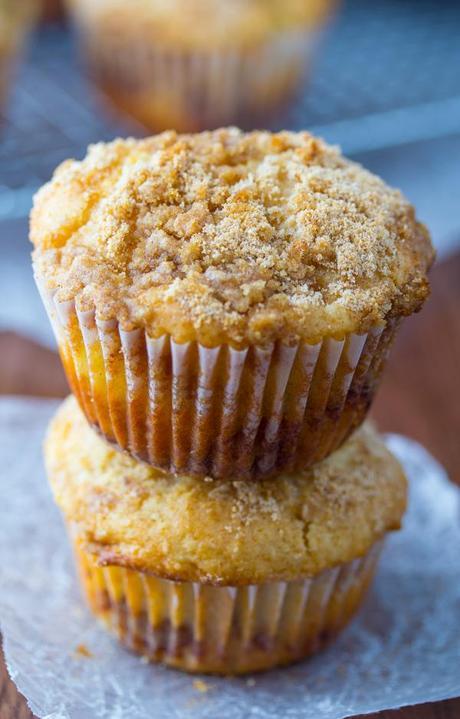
pixel 419 397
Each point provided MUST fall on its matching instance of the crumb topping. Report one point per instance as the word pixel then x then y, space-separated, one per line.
pixel 226 236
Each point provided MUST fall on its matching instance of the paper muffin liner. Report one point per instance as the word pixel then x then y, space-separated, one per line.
pixel 225 629
pixel 170 88
pixel 219 412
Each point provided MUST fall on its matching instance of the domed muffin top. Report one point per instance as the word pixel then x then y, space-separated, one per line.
pixel 203 25
pixel 233 532
pixel 230 237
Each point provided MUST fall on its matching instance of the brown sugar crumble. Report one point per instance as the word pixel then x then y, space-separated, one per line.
pixel 81 650
pixel 201 686
pixel 230 237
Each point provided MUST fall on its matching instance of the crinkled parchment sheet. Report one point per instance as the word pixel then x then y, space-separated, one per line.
pixel 403 648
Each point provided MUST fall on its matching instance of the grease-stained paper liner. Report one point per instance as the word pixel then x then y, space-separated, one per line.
pixel 402 648
pixel 224 629
pixel 218 412
pixel 190 90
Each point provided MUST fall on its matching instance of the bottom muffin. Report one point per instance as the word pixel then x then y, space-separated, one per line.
pixel 222 576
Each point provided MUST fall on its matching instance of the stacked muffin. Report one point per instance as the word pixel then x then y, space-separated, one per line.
pixel 223 305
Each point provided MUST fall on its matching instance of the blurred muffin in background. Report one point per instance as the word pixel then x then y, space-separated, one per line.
pixel 15 20
pixel 199 64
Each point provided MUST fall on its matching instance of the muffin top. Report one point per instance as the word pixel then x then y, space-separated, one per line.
pixel 201 24
pixel 230 237
pixel 127 513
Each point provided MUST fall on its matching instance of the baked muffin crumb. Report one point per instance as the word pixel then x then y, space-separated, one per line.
pixel 230 237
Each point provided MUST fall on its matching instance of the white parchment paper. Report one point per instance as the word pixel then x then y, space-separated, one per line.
pixel 403 648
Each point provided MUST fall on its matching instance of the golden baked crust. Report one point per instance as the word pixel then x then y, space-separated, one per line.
pixel 201 24
pixel 230 237
pixel 223 532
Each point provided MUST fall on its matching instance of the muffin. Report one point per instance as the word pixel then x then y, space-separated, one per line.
pixel 223 577
pixel 198 64
pixel 15 20
pixel 224 302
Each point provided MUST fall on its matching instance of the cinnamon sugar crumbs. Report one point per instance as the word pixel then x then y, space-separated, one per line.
pixel 201 686
pixel 82 650
pixel 226 236
pixel 248 501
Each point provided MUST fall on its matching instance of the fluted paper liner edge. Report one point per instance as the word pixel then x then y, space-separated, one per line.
pixel 220 412
pixel 224 629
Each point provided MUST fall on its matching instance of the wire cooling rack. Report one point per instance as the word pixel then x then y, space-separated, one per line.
pixel 387 74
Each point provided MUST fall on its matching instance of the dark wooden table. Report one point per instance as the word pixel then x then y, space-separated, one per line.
pixel 420 397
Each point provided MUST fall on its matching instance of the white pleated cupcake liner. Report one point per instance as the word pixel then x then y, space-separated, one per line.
pixel 204 89
pixel 219 412
pixel 225 629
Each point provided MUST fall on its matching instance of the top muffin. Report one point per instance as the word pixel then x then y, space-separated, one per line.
pixel 230 237
pixel 204 24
